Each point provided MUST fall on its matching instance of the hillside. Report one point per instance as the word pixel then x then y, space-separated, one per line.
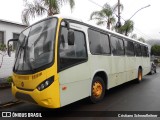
pixel 153 42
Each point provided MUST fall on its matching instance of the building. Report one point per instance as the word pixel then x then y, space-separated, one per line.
pixel 8 30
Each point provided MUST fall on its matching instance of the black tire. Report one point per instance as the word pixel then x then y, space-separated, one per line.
pixel 139 77
pixel 94 98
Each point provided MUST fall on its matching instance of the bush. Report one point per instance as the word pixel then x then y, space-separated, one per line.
pixel 9 79
pixel 3 47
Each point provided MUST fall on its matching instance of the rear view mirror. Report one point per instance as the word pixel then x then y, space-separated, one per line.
pixel 9 47
pixel 71 37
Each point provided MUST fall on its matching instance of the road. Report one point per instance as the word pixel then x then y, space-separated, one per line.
pixel 127 97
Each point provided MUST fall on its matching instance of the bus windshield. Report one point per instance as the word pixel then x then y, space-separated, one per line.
pixel 36 46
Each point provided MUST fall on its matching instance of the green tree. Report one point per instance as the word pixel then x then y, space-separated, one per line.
pixel 134 36
pixel 105 15
pixel 155 50
pixel 42 7
pixel 127 28
pixel 141 39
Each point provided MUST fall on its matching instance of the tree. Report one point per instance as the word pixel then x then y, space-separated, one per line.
pixel 134 36
pixel 127 28
pixel 155 50
pixel 105 15
pixel 141 39
pixel 42 7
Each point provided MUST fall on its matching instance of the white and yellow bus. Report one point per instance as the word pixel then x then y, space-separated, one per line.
pixel 60 60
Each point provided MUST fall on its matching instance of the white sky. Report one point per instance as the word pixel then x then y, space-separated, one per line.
pixel 147 21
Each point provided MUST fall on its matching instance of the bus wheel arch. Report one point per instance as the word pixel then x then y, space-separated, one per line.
pixel 98 87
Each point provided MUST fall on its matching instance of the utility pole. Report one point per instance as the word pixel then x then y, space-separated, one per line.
pixel 119 15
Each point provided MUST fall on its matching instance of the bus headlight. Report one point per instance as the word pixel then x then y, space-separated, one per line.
pixel 45 84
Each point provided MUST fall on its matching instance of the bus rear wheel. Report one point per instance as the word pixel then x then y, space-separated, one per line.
pixel 139 79
pixel 97 89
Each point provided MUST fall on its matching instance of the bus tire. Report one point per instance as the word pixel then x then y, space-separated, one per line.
pixel 97 89
pixel 139 78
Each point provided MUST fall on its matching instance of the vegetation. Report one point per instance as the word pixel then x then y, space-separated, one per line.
pixel 105 15
pixel 42 7
pixel 155 50
pixel 127 28
pixel 134 36
pixel 3 47
pixel 9 79
pixel 142 39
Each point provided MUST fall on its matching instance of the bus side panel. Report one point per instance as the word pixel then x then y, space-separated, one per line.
pixel 74 84
pixel 118 69
pixel 146 65
pixel 103 63
pixel 131 71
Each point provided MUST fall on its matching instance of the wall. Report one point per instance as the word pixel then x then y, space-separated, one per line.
pixel 9 29
pixel 6 68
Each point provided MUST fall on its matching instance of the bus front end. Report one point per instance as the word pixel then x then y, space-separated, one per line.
pixel 35 77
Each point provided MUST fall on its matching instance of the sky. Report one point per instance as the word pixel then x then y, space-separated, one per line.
pixel 146 21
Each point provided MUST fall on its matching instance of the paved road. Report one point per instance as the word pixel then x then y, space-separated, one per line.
pixel 127 97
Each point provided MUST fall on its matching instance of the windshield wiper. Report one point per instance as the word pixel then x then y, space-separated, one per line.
pixel 24 56
pixel 22 48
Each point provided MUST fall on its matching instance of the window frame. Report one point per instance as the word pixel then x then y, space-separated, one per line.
pixel 58 53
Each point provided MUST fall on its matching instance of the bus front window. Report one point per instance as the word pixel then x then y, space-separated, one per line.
pixel 36 46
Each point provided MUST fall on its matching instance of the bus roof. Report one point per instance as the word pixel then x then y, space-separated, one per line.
pixel 88 24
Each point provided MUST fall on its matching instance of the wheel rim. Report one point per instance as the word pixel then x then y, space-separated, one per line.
pixel 97 89
pixel 140 76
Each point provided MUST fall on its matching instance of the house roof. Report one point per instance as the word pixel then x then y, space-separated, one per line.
pixel 15 23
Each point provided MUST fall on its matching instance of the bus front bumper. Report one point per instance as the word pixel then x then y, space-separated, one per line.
pixel 48 97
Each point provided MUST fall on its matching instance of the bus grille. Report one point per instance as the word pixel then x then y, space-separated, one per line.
pixel 25 97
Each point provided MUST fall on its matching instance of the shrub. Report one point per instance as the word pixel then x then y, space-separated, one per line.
pixel 9 79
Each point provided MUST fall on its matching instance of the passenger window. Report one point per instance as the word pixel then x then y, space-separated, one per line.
pixel 138 50
pixel 104 40
pixel 129 48
pixel 99 42
pixel 71 54
pixel 117 46
pixel 145 51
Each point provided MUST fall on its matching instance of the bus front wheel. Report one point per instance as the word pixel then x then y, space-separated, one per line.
pixel 97 89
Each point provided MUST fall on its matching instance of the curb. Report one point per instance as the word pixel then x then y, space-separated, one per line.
pixel 11 103
pixel 5 85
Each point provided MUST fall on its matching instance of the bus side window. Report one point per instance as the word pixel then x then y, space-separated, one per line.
pixel 70 55
pixel 138 51
pixel 117 46
pixel 129 46
pixel 99 42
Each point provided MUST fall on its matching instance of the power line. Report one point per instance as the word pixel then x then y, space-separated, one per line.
pixel 122 19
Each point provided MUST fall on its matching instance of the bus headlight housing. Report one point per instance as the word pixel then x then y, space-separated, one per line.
pixel 45 84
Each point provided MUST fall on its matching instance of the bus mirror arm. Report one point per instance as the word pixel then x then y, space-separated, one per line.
pixel 67 25
pixel 8 46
